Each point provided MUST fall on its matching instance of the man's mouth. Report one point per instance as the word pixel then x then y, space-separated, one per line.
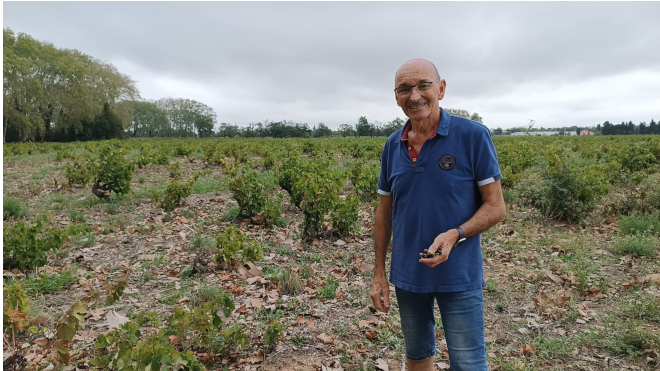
pixel 416 106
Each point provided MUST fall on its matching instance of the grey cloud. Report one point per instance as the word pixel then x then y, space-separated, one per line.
pixel 334 62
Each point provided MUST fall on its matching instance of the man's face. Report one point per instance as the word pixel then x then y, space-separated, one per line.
pixel 419 104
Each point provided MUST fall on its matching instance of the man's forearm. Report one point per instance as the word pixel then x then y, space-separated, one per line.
pixel 382 236
pixel 486 216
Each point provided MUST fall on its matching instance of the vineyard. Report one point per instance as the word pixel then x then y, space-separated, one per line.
pixel 257 254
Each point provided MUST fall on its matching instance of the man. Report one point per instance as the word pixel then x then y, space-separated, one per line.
pixel 440 189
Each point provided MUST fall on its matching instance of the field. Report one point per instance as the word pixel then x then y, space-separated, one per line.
pixel 251 254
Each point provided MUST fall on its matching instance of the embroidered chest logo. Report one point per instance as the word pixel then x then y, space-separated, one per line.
pixel 447 162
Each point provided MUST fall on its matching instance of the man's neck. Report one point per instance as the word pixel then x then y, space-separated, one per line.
pixel 427 126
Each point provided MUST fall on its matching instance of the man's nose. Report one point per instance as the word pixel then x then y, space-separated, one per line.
pixel 414 94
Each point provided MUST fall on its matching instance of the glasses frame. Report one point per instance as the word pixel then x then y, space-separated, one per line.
pixel 396 90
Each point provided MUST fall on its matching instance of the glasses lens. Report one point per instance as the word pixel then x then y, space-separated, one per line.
pixel 423 86
pixel 404 89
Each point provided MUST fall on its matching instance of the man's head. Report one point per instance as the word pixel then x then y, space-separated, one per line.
pixel 420 102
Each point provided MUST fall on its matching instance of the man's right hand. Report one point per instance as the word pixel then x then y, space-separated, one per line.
pixel 380 293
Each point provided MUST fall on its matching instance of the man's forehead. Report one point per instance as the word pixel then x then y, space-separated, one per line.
pixel 416 71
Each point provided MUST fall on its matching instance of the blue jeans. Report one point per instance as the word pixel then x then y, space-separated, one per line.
pixel 462 319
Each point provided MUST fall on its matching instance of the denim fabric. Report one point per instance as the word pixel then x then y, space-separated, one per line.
pixel 462 319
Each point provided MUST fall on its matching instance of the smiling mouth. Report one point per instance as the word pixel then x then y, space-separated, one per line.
pixel 416 106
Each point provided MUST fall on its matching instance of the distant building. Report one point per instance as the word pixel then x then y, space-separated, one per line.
pixel 537 133
pixel 571 133
pixel 586 132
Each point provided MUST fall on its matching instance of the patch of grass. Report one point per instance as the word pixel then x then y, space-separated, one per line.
pixel 76 215
pixel 388 339
pixel 509 196
pixel 316 257
pixel 328 291
pixel 34 284
pixel 639 244
pixel 638 223
pixel 206 184
pixel 281 222
pixel 202 242
pixel 288 282
pixel 141 179
pixel 230 214
pixel 206 294
pixel 491 285
pixel 625 338
pixel 111 208
pixel 305 271
pixel 552 348
pixel 642 305
pixel 283 250
pixel 12 208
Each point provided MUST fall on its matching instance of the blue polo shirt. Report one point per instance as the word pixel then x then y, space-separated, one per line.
pixel 437 194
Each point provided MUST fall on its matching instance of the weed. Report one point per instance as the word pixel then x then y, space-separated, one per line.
pixel 273 333
pixel 639 244
pixel 230 214
pixel 509 196
pixel 491 285
pixel 76 215
pixel 111 208
pixel 283 250
pixel 305 271
pixel 11 208
pixel 36 284
pixel 328 290
pixel 638 223
pixel 141 179
pixel 642 306
pixel 288 282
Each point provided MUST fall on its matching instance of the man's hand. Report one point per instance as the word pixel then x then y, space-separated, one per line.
pixel 444 242
pixel 380 293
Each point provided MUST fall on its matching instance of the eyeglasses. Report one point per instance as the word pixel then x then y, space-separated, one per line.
pixel 422 86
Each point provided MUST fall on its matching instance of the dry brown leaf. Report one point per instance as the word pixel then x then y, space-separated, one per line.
pixel 371 335
pixel 300 320
pixel 42 342
pixel 96 314
pixel 528 349
pixel 363 324
pixel 326 339
pixel 445 353
pixel 443 366
pixel 655 278
pixel 113 320
pixel 310 321
pixel 86 335
pixel 256 303
pixel 381 364
pixel 242 309
pixel 174 339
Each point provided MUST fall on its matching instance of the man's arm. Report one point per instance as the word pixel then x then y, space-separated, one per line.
pixel 491 212
pixel 380 290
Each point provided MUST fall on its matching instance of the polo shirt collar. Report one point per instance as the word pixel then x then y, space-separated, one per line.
pixel 443 125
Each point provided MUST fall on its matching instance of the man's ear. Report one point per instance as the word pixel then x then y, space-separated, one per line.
pixel 443 86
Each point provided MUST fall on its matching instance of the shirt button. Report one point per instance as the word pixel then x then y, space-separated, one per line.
pixel 414 159
pixel 409 148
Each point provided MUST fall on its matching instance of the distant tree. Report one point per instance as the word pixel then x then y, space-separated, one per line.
pixel 642 129
pixel 227 130
pixel 653 127
pixel 475 117
pixel 393 126
pixel 497 131
pixel 148 121
pixel 346 130
pixel 321 130
pixel 362 128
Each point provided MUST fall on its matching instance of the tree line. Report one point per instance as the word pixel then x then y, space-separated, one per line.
pixel 52 94
pixel 625 128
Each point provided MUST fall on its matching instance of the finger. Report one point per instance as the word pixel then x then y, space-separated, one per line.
pixel 433 248
pixel 377 303
pixel 386 298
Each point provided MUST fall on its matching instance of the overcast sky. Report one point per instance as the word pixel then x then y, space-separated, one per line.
pixel 560 64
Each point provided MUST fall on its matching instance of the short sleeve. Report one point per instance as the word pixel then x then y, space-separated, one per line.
pixel 487 169
pixel 384 187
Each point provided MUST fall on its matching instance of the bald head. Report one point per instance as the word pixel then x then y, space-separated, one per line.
pixel 417 63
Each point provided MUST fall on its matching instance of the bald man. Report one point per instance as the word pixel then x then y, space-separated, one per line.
pixel 439 190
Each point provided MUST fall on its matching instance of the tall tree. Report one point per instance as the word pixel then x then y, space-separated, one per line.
pixel 393 126
pixel 362 127
pixel 148 121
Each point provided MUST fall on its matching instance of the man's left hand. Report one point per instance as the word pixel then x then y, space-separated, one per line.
pixel 444 242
